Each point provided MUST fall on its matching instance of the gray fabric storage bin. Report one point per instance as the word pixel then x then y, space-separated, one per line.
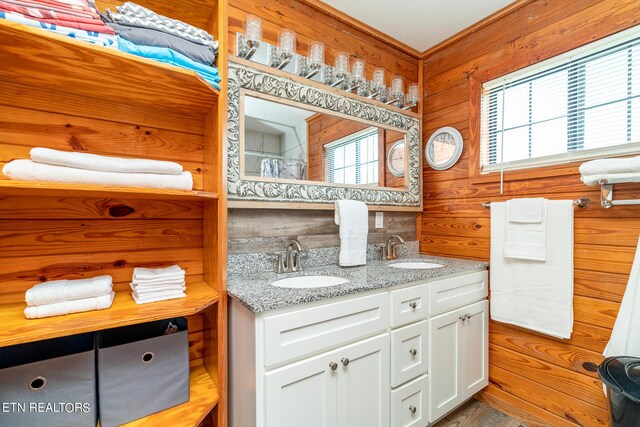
pixel 49 383
pixel 141 371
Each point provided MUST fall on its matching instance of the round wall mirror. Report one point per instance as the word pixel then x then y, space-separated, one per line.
pixel 395 158
pixel 443 148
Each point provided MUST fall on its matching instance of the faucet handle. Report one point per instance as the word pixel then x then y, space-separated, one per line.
pixel 279 261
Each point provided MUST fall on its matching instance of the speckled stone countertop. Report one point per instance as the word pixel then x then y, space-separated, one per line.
pixel 254 291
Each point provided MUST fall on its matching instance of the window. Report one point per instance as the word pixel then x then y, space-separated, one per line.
pixel 353 159
pixel 580 105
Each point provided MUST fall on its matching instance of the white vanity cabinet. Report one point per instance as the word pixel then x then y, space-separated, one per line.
pixel 389 357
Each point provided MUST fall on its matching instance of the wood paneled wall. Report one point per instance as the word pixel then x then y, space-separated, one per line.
pixel 311 24
pixel 539 379
pixel 267 230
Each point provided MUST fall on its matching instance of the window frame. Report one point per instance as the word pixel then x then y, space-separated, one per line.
pixel 354 138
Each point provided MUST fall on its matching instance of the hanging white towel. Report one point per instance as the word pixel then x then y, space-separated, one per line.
pixel 526 229
pixel 353 218
pixel 27 170
pixel 533 294
pixel 68 307
pixel 625 338
pixel 65 290
pixel 94 162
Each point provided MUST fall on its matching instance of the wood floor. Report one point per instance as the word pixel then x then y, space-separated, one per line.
pixel 477 414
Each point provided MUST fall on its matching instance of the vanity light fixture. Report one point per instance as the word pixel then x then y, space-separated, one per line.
pixel 377 83
pixel 341 70
pixel 396 92
pixel 412 96
pixel 251 37
pixel 281 56
pixel 357 73
pixel 314 60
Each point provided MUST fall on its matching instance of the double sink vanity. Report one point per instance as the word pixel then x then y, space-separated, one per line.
pixel 392 343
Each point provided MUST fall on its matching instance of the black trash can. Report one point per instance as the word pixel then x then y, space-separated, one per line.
pixel 621 375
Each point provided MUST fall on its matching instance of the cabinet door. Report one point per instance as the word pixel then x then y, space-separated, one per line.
pixel 363 383
pixel 476 348
pixel 445 363
pixel 302 394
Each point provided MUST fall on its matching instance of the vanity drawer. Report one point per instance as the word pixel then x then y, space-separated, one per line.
pixel 294 334
pixel 409 354
pixel 409 404
pixel 408 305
pixel 456 292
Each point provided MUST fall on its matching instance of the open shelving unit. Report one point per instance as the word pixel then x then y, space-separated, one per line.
pixel 65 94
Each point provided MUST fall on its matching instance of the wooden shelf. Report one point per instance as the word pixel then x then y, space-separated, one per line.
pixel 203 397
pixel 55 189
pixel 124 311
pixel 35 57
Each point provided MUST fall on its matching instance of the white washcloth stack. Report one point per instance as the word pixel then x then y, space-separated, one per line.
pixel 68 296
pixel 611 170
pixel 157 284
pixel 47 165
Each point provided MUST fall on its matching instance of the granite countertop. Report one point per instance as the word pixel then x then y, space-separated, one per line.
pixel 253 290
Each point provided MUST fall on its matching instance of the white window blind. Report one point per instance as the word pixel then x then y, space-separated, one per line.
pixel 581 105
pixel 353 159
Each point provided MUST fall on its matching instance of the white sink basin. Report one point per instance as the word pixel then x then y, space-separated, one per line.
pixel 300 282
pixel 418 265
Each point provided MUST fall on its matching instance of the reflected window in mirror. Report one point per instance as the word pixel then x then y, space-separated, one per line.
pixel 353 159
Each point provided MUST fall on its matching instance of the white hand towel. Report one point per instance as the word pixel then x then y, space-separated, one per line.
pixel 169 283
pixel 149 290
pixel 65 290
pixel 526 229
pixel 611 166
pixel 611 177
pixel 161 281
pixel 94 162
pixel 353 218
pixel 68 307
pixel 158 297
pixel 174 271
pixel 625 338
pixel 27 170
pixel 532 294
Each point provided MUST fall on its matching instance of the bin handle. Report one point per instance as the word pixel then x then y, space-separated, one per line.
pixel 37 383
pixel 147 357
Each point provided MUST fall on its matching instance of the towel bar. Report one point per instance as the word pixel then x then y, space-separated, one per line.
pixel 606 196
pixel 582 202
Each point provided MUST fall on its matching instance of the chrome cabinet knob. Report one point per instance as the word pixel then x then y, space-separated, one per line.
pixel 413 351
pixel 344 361
pixel 333 366
pixel 413 305
pixel 412 409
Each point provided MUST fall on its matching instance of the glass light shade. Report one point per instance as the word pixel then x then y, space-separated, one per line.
pixel 397 87
pixel 253 29
pixel 412 93
pixel 378 77
pixel 287 42
pixel 342 63
pixel 357 69
pixel 316 54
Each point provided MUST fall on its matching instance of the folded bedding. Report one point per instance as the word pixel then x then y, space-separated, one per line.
pixel 28 170
pixel 87 24
pixel 56 6
pixel 95 162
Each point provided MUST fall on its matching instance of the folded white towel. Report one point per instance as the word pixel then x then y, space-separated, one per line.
pixel 145 290
pixel 158 274
pixel 625 338
pixel 65 290
pixel 94 162
pixel 527 210
pixel 532 294
pixel 526 237
pixel 160 280
pixel 611 177
pixel 161 296
pixel 611 166
pixel 353 218
pixel 27 170
pixel 68 307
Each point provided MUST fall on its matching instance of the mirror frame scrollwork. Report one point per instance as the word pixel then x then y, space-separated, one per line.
pixel 275 84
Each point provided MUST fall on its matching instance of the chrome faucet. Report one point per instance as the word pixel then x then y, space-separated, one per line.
pixel 292 258
pixel 389 251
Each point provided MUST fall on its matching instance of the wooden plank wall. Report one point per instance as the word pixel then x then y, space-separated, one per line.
pixel 539 379
pixel 314 228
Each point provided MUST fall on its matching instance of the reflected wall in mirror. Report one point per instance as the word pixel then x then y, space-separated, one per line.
pixel 283 141
pixel 291 140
